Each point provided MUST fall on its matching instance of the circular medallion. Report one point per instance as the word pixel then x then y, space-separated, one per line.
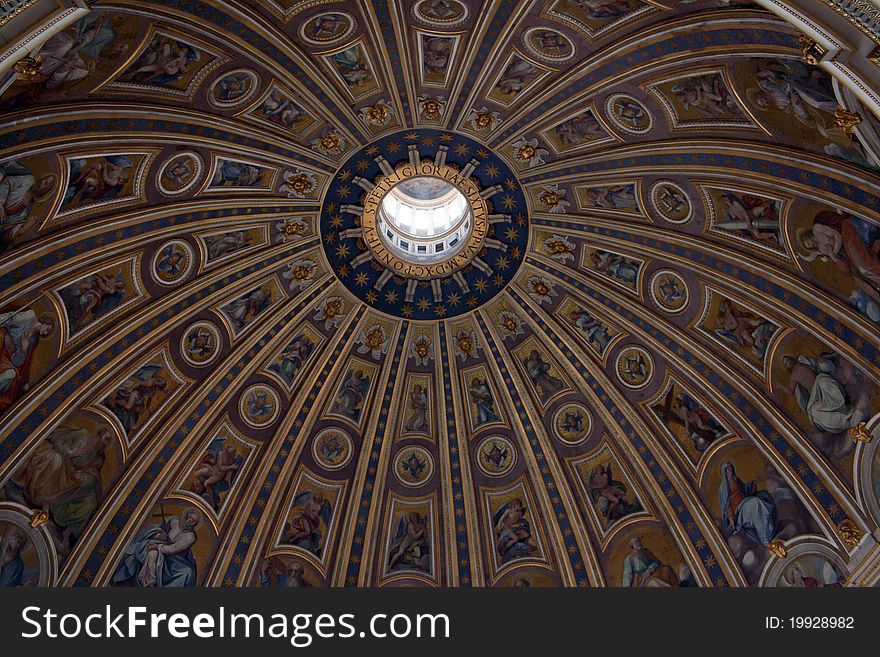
pixel 413 466
pixel 233 88
pixel 172 262
pixel 332 448
pixel 809 569
pixel 629 114
pixel 671 202
pixel 572 424
pixel 635 367
pixel 327 28
pixel 409 216
pixel 446 13
pixel 548 45
pixel 669 291
pixel 259 406
pixel 179 174
pixel 496 456
pixel 200 343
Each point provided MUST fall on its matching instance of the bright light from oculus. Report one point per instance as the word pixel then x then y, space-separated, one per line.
pixel 425 219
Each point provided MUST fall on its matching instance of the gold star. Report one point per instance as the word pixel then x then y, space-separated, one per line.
pixel 483 153
pixel 342 271
pixel 407 310
pixel 423 303
pixel 502 263
pixel 343 191
pixel 454 299
pixel 361 279
pixel 371 296
pixel 514 253
pixel 510 184
pixel 336 221
pixel 472 301
pixel 493 171
pixel 446 137
pixel 393 147
pixel 511 234
pixel 481 285
pixel 372 150
pixel 508 202
pixel 462 149
pixel 344 175
pixel 520 219
pixel 412 136
pixel 342 251
pixel 331 207
pixel 363 165
pixel 498 280
pixel 428 140
pixel 391 297
pixel 440 310
pixel 330 237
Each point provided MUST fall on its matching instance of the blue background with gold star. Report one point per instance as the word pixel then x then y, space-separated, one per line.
pixel 391 299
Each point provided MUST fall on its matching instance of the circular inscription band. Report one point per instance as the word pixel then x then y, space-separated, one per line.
pixel 461 258
pixel 424 224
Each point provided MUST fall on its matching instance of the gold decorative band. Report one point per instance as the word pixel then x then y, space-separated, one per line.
pixel 467 186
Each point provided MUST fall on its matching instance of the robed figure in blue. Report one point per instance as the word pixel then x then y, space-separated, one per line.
pixel 161 555
pixel 746 509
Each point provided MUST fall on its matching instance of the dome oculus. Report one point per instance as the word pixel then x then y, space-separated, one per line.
pixel 425 219
pixel 425 224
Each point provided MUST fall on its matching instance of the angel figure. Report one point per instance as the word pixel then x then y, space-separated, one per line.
pixel 496 454
pixel 513 534
pixel 200 344
pixel 132 401
pixel 352 66
pixel 97 179
pixel 409 548
pixel 593 330
pixel 516 77
pixel 483 400
pixel 418 419
pixel 616 266
pixel 750 215
pixel 350 399
pixel 172 261
pixel 96 296
pixel 164 62
pixel 309 518
pixel 744 328
pixel 216 472
pixel 707 94
pixel 260 407
pixel 635 368
pixel 289 363
pixel 609 494
pixel 572 422
pixel 538 371
pixel 222 245
pixel 282 110
pixel 241 311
